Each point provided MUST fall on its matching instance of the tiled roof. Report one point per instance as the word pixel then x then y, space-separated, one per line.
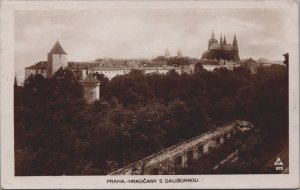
pixel 90 79
pixel 57 49
pixel 39 65
pixel 82 65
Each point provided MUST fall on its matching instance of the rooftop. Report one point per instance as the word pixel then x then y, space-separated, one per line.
pixel 57 49
pixel 38 65
pixel 90 79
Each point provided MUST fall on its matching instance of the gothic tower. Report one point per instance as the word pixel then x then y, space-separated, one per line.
pixel 235 49
pixel 57 58
pixel 212 40
pixel 224 40
pixel 235 44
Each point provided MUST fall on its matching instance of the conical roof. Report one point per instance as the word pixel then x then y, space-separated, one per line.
pixel 57 49
pixel 90 79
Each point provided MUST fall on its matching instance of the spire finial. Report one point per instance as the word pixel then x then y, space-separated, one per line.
pixel 213 35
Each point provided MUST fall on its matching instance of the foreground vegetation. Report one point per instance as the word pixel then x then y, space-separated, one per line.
pixel 57 133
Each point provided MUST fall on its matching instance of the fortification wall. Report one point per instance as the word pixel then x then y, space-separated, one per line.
pixel 168 160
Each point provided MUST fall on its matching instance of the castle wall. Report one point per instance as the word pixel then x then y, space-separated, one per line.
pixel 168 160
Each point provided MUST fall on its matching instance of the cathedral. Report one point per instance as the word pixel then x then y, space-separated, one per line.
pixel 221 51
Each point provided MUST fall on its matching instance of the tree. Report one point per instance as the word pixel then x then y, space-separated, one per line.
pixel 286 59
pixel 57 133
pixel 105 89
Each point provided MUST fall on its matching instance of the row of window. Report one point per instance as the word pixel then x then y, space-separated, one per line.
pixel 102 72
pixel 119 71
pixel 37 71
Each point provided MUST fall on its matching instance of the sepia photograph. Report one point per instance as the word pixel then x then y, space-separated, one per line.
pixel 154 89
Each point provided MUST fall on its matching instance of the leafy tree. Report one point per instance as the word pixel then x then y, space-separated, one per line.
pixel 57 133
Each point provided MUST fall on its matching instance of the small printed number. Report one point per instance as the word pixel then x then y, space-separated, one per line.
pixel 279 168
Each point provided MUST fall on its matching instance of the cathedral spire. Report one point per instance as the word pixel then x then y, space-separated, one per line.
pixel 213 35
pixel 224 40
pixel 234 40
pixel 221 39
pixel 235 44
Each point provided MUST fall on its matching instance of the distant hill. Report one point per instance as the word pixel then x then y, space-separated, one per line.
pixel 277 62
pixel 263 60
pixel 267 61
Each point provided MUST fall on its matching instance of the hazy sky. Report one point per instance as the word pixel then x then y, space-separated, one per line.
pixel 87 35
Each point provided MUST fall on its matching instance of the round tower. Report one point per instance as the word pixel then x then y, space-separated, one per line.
pixel 91 88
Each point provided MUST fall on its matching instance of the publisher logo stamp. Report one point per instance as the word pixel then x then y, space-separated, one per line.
pixel 278 164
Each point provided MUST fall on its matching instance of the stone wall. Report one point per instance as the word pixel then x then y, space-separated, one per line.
pixel 170 159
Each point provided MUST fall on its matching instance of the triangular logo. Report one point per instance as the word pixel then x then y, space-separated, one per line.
pixel 278 162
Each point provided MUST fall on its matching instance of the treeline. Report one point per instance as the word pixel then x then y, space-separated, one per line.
pixel 57 133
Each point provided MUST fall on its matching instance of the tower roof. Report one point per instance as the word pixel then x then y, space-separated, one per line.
pixel 57 49
pixel 234 38
pixel 224 40
pixel 90 79
pixel 213 35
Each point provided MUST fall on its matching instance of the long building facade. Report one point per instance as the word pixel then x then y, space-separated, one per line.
pixel 57 58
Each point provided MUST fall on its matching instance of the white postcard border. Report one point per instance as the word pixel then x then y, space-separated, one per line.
pixel 8 180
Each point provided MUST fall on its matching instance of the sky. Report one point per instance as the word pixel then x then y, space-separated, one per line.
pixel 89 34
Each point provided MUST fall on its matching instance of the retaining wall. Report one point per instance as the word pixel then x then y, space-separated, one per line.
pixel 168 160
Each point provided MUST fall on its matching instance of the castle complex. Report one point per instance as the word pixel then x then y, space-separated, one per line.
pixel 57 58
pixel 222 51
